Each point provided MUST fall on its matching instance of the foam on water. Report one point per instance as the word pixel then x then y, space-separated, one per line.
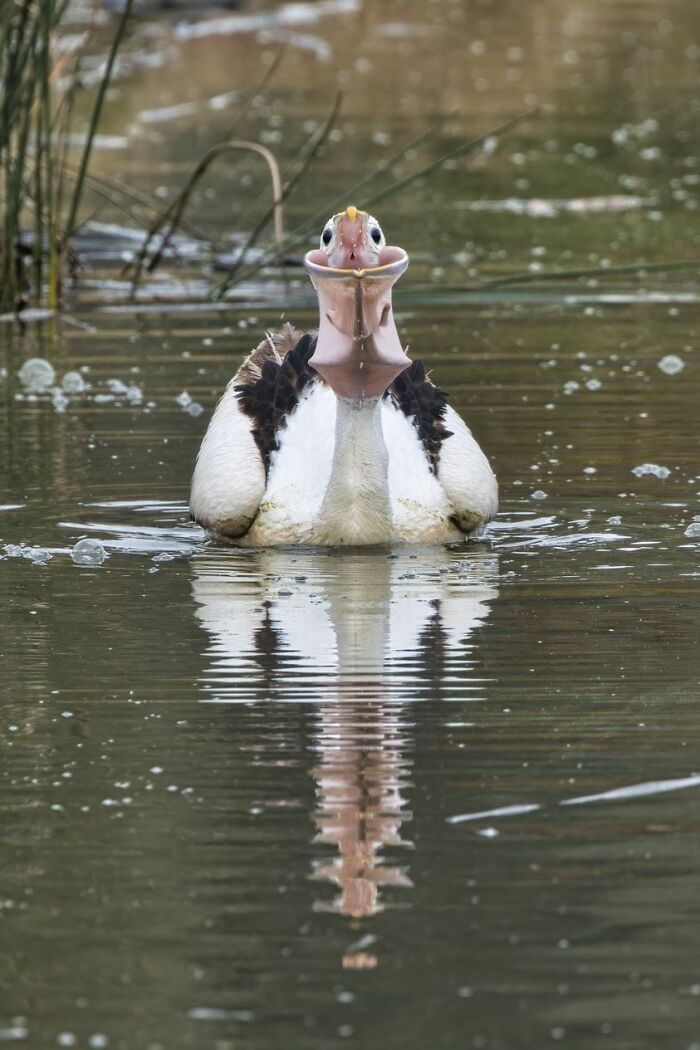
pixel 135 539
pixel 652 469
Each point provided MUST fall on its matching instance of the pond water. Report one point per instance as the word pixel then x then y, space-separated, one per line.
pixel 399 797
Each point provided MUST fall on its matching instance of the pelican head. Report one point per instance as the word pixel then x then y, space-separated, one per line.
pixel 358 351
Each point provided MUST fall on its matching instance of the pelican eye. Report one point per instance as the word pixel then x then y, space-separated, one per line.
pixel 376 235
pixel 327 235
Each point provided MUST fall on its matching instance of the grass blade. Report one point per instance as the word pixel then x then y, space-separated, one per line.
pixel 466 147
pixel 95 117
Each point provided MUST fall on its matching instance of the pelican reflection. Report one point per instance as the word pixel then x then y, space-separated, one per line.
pixel 360 635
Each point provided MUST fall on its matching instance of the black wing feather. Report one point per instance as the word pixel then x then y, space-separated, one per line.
pixel 424 405
pixel 271 398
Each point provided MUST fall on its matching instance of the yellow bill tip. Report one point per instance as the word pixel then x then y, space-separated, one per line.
pixel 351 212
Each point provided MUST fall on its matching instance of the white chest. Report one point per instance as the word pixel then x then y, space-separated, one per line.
pixel 349 474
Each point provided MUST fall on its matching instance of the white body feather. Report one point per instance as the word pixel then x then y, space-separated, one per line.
pixel 229 476
pixel 345 472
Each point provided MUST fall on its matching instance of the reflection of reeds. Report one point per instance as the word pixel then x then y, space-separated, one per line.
pixel 38 94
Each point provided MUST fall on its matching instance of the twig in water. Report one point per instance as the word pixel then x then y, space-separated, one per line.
pixel 639 268
pixel 175 211
pixel 256 91
pixel 466 147
pixel 368 202
pixel 314 144
pixel 298 235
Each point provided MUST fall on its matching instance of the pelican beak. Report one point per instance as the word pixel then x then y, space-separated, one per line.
pixel 348 251
pixel 358 350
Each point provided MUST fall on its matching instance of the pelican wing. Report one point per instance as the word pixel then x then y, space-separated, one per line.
pixel 231 470
pixel 465 475
pixel 454 456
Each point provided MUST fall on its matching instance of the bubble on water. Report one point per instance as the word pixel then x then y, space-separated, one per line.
pixel 183 399
pixel 60 401
pixel 671 364
pixel 538 494
pixel 37 375
pixel 98 1040
pixel 488 833
pixel 88 552
pixel 73 383
pixel 593 384
pixel 116 387
pixel 693 530
pixel 571 386
pixel 14 1032
pixel 194 409
pixel 37 555
pixel 134 394
pixel 66 1039
pixel 651 468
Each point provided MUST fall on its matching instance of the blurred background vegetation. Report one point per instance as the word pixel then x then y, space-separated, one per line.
pixel 110 109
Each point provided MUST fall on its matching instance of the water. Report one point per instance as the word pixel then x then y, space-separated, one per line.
pixel 404 797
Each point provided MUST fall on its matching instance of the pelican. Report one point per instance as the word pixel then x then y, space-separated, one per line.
pixel 336 437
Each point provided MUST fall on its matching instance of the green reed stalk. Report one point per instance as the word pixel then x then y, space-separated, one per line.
pixel 34 145
pixel 95 118
pixel 50 239
pixel 18 36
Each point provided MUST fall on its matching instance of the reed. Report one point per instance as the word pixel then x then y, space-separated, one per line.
pixel 40 191
pixel 298 237
pixel 166 222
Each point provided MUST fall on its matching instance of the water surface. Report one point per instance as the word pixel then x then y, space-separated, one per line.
pixel 406 797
